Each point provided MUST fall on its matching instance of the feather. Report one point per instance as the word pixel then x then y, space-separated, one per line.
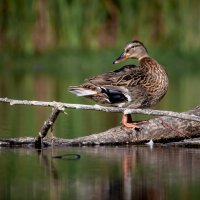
pixel 81 91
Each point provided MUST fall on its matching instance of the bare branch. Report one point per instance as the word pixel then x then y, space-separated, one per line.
pixel 153 129
pixel 46 126
pixel 172 126
pixel 62 106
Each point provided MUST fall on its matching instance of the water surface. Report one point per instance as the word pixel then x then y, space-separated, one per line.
pixel 101 173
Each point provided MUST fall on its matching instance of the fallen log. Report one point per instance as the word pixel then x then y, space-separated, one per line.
pixel 170 127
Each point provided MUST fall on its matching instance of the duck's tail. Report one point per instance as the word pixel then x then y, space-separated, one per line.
pixel 79 91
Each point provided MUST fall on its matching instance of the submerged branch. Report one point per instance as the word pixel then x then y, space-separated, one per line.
pixel 62 106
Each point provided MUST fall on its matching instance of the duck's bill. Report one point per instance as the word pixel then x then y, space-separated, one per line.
pixel 121 58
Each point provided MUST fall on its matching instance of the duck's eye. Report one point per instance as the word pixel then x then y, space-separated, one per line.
pixel 130 48
pixel 127 50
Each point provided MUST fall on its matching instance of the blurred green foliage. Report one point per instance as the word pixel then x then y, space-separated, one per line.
pixel 39 25
pixel 65 41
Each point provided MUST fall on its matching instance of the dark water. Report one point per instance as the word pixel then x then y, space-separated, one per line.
pixel 101 173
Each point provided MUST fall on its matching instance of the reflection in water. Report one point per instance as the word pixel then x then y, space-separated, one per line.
pixel 52 173
pixel 103 173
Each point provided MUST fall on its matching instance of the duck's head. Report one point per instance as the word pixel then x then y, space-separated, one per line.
pixel 134 49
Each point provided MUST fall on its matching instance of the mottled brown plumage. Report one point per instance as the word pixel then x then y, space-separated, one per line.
pixel 130 86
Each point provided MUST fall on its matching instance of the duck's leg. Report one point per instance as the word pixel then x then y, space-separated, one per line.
pixel 128 123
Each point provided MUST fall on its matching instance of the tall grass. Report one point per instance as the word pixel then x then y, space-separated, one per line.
pixel 40 25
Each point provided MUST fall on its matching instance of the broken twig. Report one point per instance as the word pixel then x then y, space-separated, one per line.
pixel 46 126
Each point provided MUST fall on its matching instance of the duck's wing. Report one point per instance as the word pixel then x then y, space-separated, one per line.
pixel 102 83
pixel 120 87
pixel 114 77
pixel 134 96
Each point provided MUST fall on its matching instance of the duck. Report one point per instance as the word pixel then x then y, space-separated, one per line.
pixel 131 86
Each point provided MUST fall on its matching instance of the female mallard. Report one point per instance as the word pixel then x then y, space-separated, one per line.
pixel 130 86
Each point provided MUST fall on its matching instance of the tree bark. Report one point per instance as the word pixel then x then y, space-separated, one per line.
pixel 63 106
pixel 172 126
pixel 46 126
pixel 160 130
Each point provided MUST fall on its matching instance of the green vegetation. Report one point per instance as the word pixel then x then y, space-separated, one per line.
pixel 47 45
pixel 38 26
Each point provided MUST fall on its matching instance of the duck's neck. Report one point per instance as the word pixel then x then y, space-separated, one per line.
pixel 142 57
pixel 148 64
